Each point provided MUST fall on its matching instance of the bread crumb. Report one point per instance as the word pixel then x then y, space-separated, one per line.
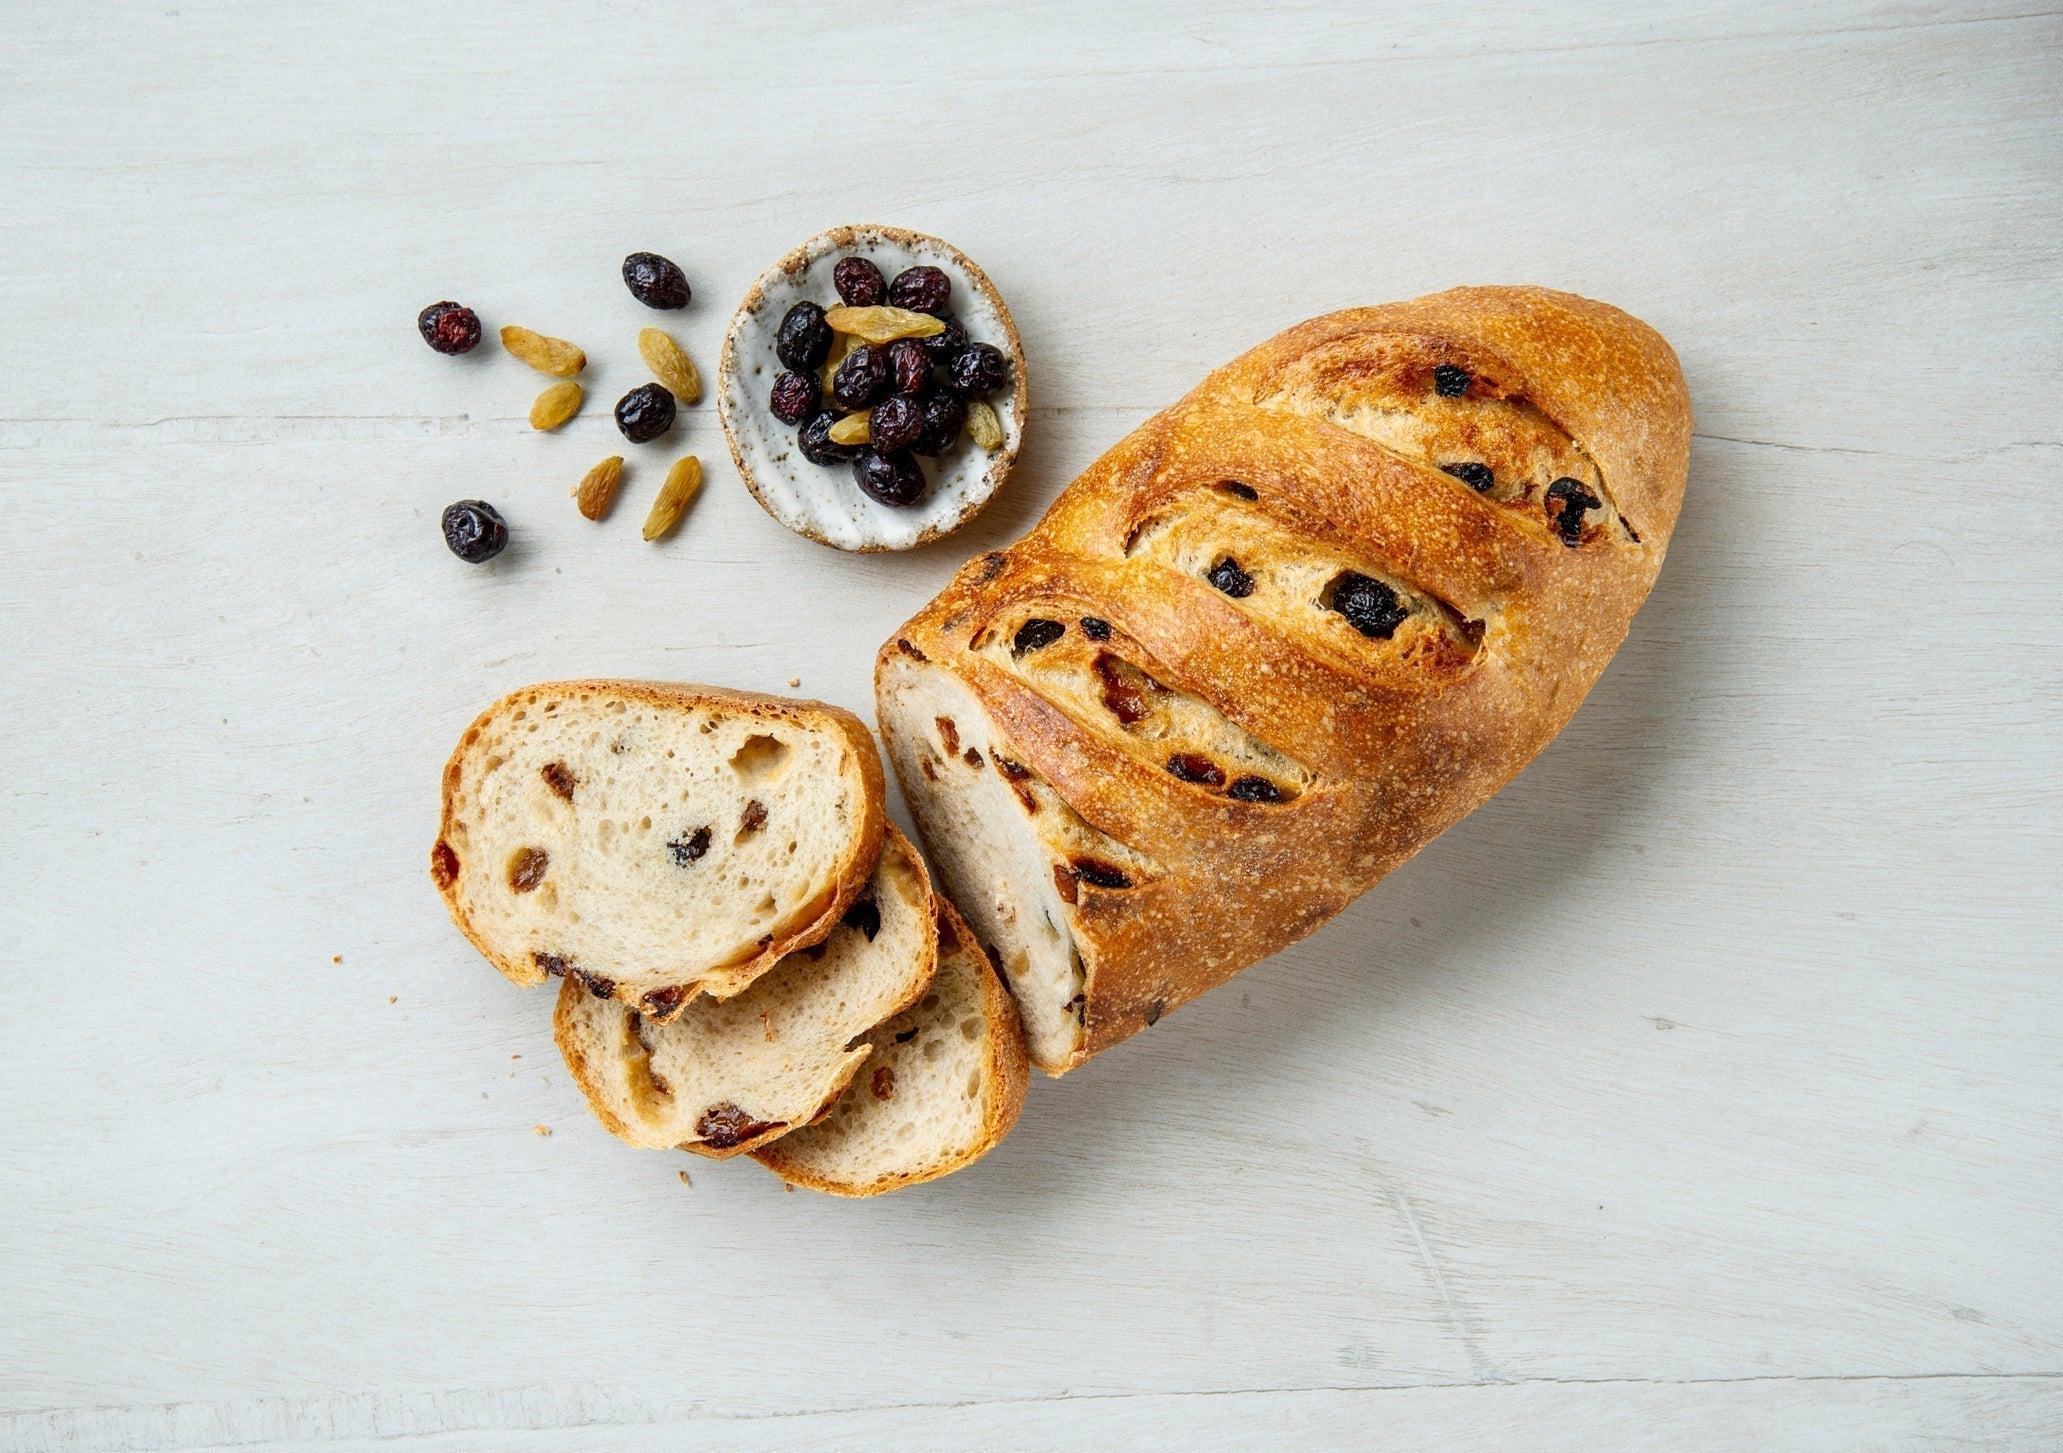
pixel 336 958
pixel 392 997
pixel 795 681
pixel 766 1024
pixel 515 1056
pixel 686 1182
pixel 542 1129
pixel 788 1188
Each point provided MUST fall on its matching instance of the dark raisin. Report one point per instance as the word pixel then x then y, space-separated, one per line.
pixel 972 757
pixel 1370 606
pixel 689 846
pixel 474 530
pixel 864 917
pixel 1101 874
pixel 1121 694
pixel 796 396
pixel 449 328
pixel 1567 502
pixel 859 282
pixel 883 1084
pixel 903 645
pixel 1011 771
pixel 725 1127
pixel 1242 491
pixel 1077 1006
pixel 991 566
pixel 645 413
pixel 655 281
pixel 1154 1011
pixel 862 378
pixel 906 1036
pixel 804 338
pixel 601 986
pixel 1096 628
pixel 550 965
pixel 559 777
pixel 664 1001
pixel 527 868
pixel 1450 382
pixel 944 417
pixel 1036 634
pixel 892 476
pixel 1476 476
pixel 980 369
pixel 1254 789
pixel 1228 577
pixel 753 818
pixel 816 443
pixel 910 365
pixel 443 865
pixel 897 422
pixel 921 290
pixel 1193 768
pixel 945 347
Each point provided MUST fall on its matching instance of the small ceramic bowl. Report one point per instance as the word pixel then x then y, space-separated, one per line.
pixel 823 501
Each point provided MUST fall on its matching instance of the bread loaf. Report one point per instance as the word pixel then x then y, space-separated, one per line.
pixel 725 1076
pixel 1279 638
pixel 650 842
pixel 943 1085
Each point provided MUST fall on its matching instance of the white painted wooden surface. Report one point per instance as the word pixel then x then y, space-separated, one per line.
pixel 1700 1091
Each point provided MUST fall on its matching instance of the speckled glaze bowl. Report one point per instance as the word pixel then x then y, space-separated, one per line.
pixel 823 501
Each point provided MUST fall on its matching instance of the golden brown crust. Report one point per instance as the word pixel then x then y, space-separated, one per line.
pixel 1007 1069
pixel 1333 434
pixel 809 929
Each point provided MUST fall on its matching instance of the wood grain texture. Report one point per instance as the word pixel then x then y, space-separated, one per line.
pixel 1738 1120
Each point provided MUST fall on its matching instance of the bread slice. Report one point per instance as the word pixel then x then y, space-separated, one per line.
pixel 652 841
pixel 725 1076
pixel 941 1089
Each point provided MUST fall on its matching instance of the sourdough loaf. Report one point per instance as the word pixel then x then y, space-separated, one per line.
pixel 943 1085
pixel 650 841
pixel 1279 638
pixel 724 1076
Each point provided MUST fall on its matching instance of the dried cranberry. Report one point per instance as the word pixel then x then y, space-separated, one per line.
pixel 1476 476
pixel 474 530
pixel 859 282
pixel 816 443
pixel 1036 634
pixel 655 281
pixel 910 364
pixel 1254 789
pixel 804 339
pixel 944 417
pixel 688 847
pixel 1573 500
pixel 645 413
pixel 1450 382
pixel 1228 577
pixel 1370 606
pixel 893 476
pixel 862 378
pixel 796 396
pixel 980 369
pixel 921 290
pixel 1096 628
pixel 865 916
pixel 896 422
pixel 449 328
pixel 945 347
pixel 1201 770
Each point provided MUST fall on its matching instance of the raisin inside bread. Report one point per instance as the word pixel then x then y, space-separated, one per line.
pixel 942 1087
pixel 652 841
pixel 724 1076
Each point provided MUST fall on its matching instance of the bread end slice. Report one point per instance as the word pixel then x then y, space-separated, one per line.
pixel 653 841
pixel 943 1085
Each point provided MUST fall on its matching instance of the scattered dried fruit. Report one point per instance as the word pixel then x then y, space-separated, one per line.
pixel 1477 477
pixel 1254 789
pixel 527 868
pixel 449 328
pixel 897 421
pixel 597 487
pixel 555 406
pixel 944 416
pixel 669 364
pixel 554 356
pixel 1228 577
pixel 796 396
pixel 893 477
pixel 911 365
pixel 816 443
pixel 979 369
pixel 859 282
pixel 645 413
pixel 655 281
pixel 921 289
pixel 1567 501
pixel 983 427
pixel 1200 770
pixel 803 338
pixel 1370 606
pixel 1450 382
pixel 682 481
pixel 852 429
pixel 474 530
pixel 1036 634
pixel 880 325
pixel 945 347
